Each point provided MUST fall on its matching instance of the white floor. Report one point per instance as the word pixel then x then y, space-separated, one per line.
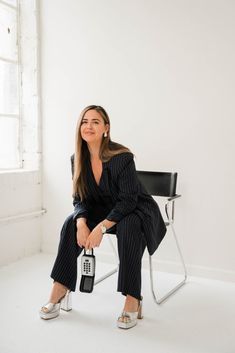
pixel 199 318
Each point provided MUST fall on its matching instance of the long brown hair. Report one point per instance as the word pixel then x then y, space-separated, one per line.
pixel 108 149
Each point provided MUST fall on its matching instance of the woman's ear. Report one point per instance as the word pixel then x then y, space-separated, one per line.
pixel 107 128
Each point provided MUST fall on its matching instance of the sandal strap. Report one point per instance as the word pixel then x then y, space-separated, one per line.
pixel 51 306
pixel 129 315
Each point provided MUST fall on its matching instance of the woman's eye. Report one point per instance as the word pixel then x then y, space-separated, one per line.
pixel 85 122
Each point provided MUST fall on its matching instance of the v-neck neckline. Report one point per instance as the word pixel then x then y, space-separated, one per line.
pixel 93 176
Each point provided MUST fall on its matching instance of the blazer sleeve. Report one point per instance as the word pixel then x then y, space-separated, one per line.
pixel 127 183
pixel 80 207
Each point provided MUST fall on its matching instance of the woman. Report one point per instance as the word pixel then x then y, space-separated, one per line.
pixel 108 198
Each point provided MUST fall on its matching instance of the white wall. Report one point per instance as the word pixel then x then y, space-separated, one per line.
pixel 21 189
pixel 20 222
pixel 164 71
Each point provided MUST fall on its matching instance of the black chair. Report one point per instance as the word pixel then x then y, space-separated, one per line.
pixel 158 184
pixel 163 184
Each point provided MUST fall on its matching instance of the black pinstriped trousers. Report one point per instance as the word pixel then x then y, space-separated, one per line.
pixel 131 246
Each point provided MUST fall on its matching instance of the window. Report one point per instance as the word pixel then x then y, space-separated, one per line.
pixel 9 86
pixel 20 125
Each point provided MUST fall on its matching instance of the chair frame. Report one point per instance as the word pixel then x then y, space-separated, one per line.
pixel 112 272
pixel 169 223
pixel 170 201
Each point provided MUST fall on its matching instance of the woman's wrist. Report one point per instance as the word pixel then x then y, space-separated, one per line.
pixel 81 221
pixel 107 224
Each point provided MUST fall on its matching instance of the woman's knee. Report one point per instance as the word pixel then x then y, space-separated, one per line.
pixel 68 227
pixel 69 219
pixel 129 226
pixel 129 221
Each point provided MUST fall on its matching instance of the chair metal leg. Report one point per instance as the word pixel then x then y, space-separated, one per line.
pixel 102 278
pixel 110 273
pixel 180 284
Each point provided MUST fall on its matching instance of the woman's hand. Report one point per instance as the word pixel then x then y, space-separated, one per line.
pixel 83 233
pixel 94 239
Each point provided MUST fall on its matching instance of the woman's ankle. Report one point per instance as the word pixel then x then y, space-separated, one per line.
pixel 58 291
pixel 131 303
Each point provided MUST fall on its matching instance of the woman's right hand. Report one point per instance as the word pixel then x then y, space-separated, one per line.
pixel 82 232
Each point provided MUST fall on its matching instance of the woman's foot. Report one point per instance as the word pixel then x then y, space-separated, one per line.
pixel 131 312
pixel 60 298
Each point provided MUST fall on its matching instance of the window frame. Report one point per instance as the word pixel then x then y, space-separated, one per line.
pixel 17 62
pixel 29 142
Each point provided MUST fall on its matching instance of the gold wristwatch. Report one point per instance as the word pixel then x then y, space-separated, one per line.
pixel 103 228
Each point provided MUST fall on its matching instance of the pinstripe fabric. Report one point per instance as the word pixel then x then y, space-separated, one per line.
pixel 121 193
pixel 131 245
pixel 65 266
pixel 121 198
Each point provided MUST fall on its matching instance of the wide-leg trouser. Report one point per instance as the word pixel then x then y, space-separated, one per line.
pixel 131 246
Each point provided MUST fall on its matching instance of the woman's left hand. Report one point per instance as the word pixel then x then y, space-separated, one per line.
pixel 94 239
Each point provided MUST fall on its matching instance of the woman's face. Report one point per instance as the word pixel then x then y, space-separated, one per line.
pixel 93 127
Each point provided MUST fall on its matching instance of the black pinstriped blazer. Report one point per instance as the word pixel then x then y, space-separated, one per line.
pixel 120 185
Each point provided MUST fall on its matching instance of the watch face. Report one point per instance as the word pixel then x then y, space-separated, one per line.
pixel 103 229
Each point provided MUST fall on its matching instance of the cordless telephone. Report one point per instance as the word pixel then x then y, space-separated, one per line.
pixel 88 272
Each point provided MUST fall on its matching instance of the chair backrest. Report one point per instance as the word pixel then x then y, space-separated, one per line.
pixel 158 183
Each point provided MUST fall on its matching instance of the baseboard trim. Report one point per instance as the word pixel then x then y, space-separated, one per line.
pixel 176 267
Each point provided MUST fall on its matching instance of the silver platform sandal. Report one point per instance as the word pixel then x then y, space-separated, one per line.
pixel 128 319
pixel 51 310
